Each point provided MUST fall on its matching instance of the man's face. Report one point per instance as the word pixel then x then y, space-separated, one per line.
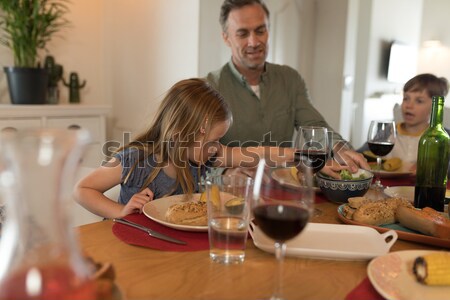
pixel 247 35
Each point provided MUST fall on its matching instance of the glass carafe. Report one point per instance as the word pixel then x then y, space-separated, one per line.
pixel 39 254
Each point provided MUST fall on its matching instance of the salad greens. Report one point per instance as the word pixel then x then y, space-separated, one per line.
pixel 346 175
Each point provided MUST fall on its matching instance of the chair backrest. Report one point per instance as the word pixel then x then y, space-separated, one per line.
pixel 398 115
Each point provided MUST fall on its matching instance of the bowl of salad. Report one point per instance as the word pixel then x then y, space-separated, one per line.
pixel 350 185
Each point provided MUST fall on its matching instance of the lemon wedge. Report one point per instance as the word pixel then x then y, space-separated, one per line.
pixel 294 173
pixel 215 197
pixel 235 205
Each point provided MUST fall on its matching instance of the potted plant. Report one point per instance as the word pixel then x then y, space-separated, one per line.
pixel 26 28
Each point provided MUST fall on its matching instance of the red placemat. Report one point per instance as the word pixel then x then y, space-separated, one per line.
pixel 195 240
pixel 364 291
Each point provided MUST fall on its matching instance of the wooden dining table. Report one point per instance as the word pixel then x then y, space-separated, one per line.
pixel 143 273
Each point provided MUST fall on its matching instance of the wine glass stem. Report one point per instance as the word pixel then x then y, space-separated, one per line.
pixel 377 178
pixel 280 250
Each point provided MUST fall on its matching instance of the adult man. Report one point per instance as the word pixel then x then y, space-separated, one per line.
pixel 267 100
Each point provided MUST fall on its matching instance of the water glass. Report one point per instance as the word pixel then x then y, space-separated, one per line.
pixel 228 217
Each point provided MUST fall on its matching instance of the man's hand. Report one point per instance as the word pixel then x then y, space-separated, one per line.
pixel 250 172
pixel 350 158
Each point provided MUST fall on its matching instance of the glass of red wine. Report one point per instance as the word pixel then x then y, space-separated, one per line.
pixel 312 146
pixel 281 210
pixel 381 140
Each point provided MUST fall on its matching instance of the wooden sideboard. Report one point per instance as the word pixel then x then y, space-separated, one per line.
pixel 90 117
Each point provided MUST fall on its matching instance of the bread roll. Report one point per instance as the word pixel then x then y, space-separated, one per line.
pixel 189 213
pixel 392 164
pixel 379 212
pixel 348 212
pixel 427 221
pixel 356 202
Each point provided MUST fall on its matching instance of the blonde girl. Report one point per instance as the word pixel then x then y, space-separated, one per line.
pixel 171 156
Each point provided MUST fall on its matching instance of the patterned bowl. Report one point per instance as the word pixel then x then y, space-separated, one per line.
pixel 339 190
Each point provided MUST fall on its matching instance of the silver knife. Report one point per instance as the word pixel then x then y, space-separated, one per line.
pixel 150 232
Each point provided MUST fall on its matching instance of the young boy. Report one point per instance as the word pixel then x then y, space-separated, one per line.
pixel 416 111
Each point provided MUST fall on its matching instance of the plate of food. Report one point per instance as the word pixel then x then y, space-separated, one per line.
pixel 288 177
pixel 393 276
pixel 179 212
pixel 391 168
pixel 425 226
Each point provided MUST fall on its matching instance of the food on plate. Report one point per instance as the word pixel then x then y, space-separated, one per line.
pixel 188 213
pixel 348 211
pixel 215 195
pixel 235 205
pixel 356 202
pixel 346 175
pixel 427 221
pixel 294 174
pixel 374 212
pixel 433 268
pixel 392 164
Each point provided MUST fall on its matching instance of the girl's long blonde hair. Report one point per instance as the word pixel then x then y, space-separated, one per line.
pixel 190 105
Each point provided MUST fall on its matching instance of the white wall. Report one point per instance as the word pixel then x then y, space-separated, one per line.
pixel 328 59
pixel 150 46
pixel 382 21
pixel 435 59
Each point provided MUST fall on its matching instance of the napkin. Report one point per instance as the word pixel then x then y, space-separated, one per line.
pixel 195 240
pixel 364 291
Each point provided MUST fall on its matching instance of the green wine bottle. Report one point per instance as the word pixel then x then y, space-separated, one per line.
pixel 432 161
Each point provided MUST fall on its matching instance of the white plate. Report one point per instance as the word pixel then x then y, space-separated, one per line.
pixel 393 278
pixel 402 172
pixel 400 191
pixel 156 211
pixel 331 241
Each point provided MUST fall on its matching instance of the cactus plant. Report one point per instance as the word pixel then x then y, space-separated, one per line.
pixel 55 73
pixel 74 87
pixel 54 70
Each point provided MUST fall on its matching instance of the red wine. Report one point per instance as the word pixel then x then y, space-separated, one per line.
pixel 429 196
pixel 314 159
pixel 281 222
pixel 380 148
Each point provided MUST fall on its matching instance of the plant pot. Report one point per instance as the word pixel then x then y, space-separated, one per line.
pixel 27 85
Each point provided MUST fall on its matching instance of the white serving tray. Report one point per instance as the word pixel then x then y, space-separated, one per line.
pixel 331 241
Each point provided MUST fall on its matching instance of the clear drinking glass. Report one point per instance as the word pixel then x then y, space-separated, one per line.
pixel 381 140
pixel 228 217
pixel 281 211
pixel 312 144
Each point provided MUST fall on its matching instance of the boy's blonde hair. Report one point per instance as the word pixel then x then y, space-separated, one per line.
pixel 434 86
pixel 189 107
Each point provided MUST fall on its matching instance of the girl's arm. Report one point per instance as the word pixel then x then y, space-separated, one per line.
pixel 89 192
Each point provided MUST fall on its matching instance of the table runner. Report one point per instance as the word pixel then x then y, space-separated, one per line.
pixel 195 240
pixel 364 291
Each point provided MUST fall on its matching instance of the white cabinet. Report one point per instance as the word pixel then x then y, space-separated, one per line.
pixel 75 116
